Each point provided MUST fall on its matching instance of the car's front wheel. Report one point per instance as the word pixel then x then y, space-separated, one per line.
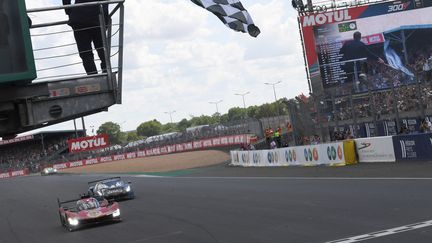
pixel 61 219
pixel 69 226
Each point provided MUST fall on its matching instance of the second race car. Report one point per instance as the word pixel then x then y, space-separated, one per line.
pixel 49 171
pixel 111 188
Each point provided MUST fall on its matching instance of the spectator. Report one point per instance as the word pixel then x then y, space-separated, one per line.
pixel 87 30
pixel 403 130
pixel 277 137
pixel 425 126
pixel 273 145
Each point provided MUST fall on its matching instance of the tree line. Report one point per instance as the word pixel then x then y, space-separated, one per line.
pixel 154 127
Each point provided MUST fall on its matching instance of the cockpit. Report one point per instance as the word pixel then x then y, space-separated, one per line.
pixel 87 204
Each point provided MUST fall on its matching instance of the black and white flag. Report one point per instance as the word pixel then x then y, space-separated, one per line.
pixel 232 14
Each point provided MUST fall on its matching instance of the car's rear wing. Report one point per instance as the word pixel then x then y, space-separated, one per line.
pixel 62 203
pixel 111 178
pixel 82 196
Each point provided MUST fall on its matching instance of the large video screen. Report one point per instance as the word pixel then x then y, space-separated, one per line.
pixel 369 47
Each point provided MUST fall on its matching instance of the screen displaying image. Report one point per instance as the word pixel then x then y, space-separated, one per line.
pixel 369 47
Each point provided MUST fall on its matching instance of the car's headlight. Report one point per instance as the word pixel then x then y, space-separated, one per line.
pixel 116 213
pixel 73 221
pixel 128 188
pixel 55 170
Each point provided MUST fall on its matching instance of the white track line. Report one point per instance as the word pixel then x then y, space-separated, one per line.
pixel 283 178
pixel 382 233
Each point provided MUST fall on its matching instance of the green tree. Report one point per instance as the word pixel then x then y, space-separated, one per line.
pixel 169 127
pixel 113 130
pixel 149 128
pixel 236 113
pixel 132 136
pixel 202 120
pixel 183 124
pixel 224 118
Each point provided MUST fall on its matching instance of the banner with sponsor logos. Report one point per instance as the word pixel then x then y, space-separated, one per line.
pixel 183 147
pixel 88 143
pixel 413 147
pixel 376 149
pixel 16 140
pixel 321 154
pixel 14 173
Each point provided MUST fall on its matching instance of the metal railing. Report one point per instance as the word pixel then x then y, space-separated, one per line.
pixel 55 51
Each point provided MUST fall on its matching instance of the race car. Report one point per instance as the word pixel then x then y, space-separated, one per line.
pixel 48 171
pixel 78 213
pixel 111 188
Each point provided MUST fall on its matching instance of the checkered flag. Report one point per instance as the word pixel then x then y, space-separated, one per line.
pixel 232 14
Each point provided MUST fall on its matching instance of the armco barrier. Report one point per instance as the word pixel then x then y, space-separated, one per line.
pixel 321 154
pixel 183 147
pixel 375 149
pixel 413 147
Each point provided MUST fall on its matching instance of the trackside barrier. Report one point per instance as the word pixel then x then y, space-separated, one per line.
pixel 16 173
pixel 332 154
pixel 413 147
pixel 350 152
pixel 375 149
pixel 183 147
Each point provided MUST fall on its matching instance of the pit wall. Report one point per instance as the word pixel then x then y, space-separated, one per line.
pixel 210 143
pixel 415 147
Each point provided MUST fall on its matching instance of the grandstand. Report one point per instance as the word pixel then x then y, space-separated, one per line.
pixel 34 151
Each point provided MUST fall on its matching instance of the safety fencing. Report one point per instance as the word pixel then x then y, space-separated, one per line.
pixel 168 149
pixel 332 154
pixel 413 147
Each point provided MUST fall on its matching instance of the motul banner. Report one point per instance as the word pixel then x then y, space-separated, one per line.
pixel 14 173
pixel 88 143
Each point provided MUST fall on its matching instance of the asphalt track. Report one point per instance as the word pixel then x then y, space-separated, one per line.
pixel 224 204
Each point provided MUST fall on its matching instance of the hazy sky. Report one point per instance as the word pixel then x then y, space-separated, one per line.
pixel 180 57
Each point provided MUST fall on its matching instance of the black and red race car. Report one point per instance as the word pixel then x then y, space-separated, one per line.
pixel 85 211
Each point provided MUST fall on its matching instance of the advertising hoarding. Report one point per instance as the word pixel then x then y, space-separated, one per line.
pixel 391 47
pixel 88 143
pixel 413 147
pixel 377 149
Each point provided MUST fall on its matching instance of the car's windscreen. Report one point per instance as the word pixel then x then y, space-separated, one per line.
pixel 88 204
pixel 113 183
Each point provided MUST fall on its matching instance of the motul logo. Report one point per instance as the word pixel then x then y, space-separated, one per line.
pixel 88 143
pixel 18 173
pixel 60 166
pixel 323 18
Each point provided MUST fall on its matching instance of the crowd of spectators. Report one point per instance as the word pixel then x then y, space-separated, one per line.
pixel 29 154
pixel 382 103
